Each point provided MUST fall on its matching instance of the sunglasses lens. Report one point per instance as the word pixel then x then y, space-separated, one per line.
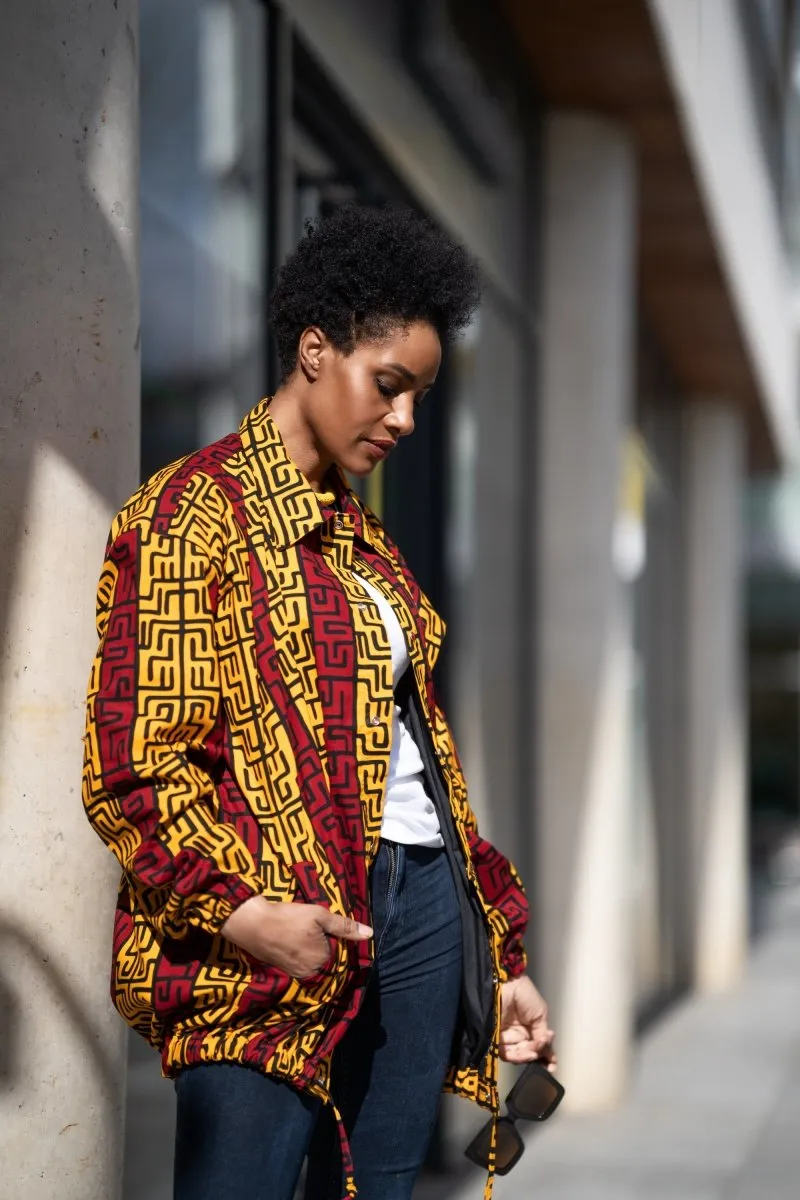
pixel 508 1148
pixel 479 1147
pixel 535 1094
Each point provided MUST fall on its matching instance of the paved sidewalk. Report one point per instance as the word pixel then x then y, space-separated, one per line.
pixel 715 1110
pixel 714 1113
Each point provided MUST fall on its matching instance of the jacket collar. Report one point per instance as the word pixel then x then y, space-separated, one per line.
pixel 289 505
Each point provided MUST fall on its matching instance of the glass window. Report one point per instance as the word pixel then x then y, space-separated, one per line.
pixel 335 162
pixel 769 30
pixel 202 210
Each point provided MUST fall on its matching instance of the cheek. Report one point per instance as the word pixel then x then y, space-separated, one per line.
pixel 358 407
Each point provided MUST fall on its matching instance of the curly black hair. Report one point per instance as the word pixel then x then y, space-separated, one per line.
pixel 362 271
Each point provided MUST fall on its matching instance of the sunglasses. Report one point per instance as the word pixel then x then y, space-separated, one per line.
pixel 534 1097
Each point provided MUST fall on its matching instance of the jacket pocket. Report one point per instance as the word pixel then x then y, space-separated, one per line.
pixel 323 983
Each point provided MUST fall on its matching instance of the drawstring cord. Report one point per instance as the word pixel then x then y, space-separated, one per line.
pixel 350 1189
pixel 498 1018
pixel 487 1191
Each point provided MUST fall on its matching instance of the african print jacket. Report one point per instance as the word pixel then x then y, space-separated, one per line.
pixel 238 740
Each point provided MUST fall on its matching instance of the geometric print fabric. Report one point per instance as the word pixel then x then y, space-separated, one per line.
pixel 237 743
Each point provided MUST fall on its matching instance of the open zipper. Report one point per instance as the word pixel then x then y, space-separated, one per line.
pixel 475 1030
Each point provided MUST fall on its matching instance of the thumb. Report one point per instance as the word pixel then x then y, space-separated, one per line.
pixel 338 926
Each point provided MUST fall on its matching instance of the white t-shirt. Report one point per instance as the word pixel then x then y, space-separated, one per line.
pixel 409 815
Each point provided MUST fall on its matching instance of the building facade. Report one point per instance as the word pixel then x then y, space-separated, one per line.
pixel 627 180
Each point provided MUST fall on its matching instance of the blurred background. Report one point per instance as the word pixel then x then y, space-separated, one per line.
pixel 602 497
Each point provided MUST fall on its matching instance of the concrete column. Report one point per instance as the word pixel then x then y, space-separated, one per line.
pixel 664 643
pixel 714 924
pixel 68 457
pixel 581 839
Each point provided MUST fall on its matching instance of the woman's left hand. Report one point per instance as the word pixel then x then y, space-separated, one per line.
pixel 524 1031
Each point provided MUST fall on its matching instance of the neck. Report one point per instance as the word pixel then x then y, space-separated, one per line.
pixel 288 412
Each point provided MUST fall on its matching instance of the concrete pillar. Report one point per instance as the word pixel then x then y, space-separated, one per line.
pixel 714 924
pixel 581 836
pixel 68 457
pixel 664 643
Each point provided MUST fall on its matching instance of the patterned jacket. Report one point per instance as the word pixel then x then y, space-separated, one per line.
pixel 238 739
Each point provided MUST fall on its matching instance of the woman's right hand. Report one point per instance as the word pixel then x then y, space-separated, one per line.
pixel 292 937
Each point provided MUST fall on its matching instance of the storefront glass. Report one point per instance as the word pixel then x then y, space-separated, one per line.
pixel 202 209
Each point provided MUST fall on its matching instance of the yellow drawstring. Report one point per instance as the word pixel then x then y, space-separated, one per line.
pixel 487 1191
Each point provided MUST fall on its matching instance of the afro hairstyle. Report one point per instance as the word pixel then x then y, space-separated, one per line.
pixel 361 272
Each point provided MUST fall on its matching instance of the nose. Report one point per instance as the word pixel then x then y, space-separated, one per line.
pixel 401 418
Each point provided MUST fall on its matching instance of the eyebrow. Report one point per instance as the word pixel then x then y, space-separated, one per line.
pixel 404 371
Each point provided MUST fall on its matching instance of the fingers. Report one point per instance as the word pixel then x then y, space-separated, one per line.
pixel 547 1054
pixel 517 1045
pixel 527 1051
pixel 338 926
pixel 517 1032
pixel 521 1043
pixel 544 1041
pixel 518 1052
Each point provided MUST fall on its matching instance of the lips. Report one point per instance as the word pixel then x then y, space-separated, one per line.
pixel 380 446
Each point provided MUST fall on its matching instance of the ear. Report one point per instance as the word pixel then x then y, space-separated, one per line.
pixel 311 350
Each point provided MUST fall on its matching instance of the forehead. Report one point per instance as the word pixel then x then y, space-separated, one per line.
pixel 415 346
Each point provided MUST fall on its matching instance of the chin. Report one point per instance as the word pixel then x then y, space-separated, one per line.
pixel 359 465
pixel 360 471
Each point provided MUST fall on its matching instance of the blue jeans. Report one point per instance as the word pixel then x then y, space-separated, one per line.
pixel 242 1135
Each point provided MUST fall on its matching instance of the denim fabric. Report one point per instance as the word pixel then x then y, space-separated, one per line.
pixel 240 1135
pixel 243 1136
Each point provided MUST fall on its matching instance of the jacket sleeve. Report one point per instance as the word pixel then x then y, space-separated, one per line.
pixel 498 880
pixel 502 889
pixel 154 735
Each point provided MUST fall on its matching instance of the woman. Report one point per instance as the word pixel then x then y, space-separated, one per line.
pixel 308 920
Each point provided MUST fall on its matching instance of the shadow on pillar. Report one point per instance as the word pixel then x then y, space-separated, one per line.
pixel 69 293
pixel 12 1008
pixel 37 406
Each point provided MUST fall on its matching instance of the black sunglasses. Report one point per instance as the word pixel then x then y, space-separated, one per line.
pixel 534 1097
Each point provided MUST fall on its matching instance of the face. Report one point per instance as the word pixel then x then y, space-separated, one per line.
pixel 361 404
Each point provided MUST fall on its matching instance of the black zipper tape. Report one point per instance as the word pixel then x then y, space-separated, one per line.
pixel 475 1028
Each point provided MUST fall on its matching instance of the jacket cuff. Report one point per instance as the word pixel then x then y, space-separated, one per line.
pixel 514 962
pixel 210 910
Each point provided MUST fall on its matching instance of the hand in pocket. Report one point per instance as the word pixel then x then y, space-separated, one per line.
pixel 295 938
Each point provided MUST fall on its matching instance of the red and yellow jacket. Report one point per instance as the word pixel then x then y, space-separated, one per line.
pixel 238 739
